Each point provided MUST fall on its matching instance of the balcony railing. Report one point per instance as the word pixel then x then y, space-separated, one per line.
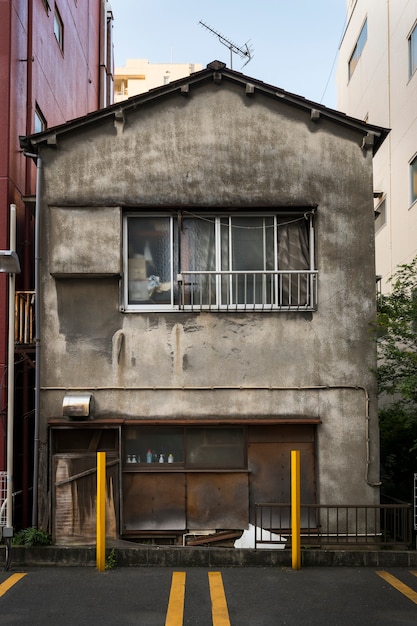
pixel 388 525
pixel 24 327
pixel 291 290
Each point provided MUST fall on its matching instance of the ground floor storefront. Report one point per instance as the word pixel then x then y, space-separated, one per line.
pixel 170 480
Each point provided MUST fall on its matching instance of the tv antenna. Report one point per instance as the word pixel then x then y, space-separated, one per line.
pixel 244 52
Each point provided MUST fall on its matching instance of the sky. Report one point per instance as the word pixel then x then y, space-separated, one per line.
pixel 295 42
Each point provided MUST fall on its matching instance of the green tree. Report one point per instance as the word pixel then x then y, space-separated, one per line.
pixel 397 382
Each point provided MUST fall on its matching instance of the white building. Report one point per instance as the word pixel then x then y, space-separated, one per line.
pixel 377 82
pixel 138 76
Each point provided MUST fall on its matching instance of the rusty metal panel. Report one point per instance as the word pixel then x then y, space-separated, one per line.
pixel 74 497
pixel 217 501
pixel 270 472
pixel 153 501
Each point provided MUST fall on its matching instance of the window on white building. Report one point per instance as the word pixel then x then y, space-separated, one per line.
pixel 219 262
pixel 359 46
pixel 380 215
pixel 413 174
pixel 59 29
pixel 412 50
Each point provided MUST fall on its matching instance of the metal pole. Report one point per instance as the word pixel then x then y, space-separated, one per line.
pixel 101 512
pixel 37 345
pixel 295 509
pixel 10 383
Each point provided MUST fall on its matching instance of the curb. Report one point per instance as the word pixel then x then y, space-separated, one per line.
pixel 156 556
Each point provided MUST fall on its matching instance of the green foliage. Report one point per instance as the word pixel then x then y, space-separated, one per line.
pixel 111 560
pixel 397 381
pixel 32 537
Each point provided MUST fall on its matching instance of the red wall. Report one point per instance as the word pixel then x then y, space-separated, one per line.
pixel 34 71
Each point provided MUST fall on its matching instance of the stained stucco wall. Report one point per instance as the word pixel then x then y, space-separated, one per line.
pixel 216 147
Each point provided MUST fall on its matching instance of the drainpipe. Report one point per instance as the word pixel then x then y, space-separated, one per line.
pixel 37 341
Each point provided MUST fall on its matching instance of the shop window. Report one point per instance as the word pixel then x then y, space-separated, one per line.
pixel 219 262
pixel 147 447
pixel 84 440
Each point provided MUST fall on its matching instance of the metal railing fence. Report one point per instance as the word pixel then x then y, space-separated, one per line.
pixel 323 525
pixel 248 291
pixel 25 317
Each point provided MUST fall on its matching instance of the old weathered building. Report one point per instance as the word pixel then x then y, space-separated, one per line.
pixel 207 288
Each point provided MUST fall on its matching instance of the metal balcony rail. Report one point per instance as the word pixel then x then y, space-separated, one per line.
pixel 289 290
pixel 381 525
pixel 24 327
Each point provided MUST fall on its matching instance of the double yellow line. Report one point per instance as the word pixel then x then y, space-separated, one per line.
pixel 219 611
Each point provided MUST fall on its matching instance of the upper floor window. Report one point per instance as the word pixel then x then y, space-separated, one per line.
pixel 380 215
pixel 359 46
pixel 413 174
pixel 59 29
pixel 224 262
pixel 412 51
pixel 39 121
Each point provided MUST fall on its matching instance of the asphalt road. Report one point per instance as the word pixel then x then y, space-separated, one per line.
pixel 73 596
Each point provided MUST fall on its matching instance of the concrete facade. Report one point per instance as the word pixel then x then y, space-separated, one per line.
pixel 382 89
pixel 219 142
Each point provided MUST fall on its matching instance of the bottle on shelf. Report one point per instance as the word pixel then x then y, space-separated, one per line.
pixel 149 456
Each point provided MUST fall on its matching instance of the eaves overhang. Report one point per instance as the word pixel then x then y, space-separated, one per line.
pixel 217 72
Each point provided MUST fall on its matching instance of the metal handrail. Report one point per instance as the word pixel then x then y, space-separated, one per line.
pixel 347 525
pixel 260 290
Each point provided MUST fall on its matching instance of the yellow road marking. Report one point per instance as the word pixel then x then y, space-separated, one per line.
pixel 175 611
pixel 404 589
pixel 9 582
pixel 219 611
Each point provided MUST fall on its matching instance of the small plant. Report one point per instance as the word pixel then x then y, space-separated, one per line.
pixel 32 537
pixel 110 560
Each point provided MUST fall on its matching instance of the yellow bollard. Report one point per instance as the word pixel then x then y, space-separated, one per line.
pixel 295 509
pixel 101 512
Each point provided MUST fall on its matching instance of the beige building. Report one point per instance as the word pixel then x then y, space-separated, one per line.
pixel 138 76
pixel 377 82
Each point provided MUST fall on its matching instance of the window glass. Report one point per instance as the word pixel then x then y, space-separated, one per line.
pixel 413 172
pixel 58 29
pixel 219 262
pixel 39 121
pixel 215 447
pixel 357 51
pixel 150 444
pixel 412 47
pixel 150 261
pixel 380 216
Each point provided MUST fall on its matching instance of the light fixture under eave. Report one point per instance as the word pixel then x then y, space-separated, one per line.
pixel 9 262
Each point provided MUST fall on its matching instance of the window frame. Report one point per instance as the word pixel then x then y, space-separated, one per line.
pixel 39 119
pixel 190 448
pixel 413 180
pixel 358 49
pixel 412 51
pixel 176 271
pixel 59 29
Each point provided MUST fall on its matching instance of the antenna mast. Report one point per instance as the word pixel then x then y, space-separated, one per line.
pixel 244 52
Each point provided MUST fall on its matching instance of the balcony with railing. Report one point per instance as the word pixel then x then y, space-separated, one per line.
pixel 289 290
pixel 24 327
